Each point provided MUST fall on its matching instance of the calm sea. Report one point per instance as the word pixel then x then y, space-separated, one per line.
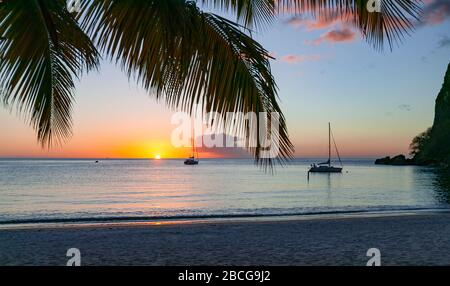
pixel 34 191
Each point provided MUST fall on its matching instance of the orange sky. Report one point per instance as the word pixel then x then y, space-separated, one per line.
pixel 135 138
pixel 377 102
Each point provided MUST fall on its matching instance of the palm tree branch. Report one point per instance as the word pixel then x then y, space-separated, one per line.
pixel 396 20
pixel 251 13
pixel 42 51
pixel 188 57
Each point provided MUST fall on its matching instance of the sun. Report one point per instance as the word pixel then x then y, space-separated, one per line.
pixel 157 156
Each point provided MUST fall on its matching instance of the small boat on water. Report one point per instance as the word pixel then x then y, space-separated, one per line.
pixel 326 167
pixel 191 160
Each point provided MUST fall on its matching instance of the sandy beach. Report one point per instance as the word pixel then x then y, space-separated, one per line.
pixel 420 238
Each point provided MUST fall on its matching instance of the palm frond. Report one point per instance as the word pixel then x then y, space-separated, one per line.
pixel 42 50
pixel 189 57
pixel 251 13
pixel 395 21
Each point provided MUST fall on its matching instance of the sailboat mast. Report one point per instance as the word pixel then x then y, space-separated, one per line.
pixel 329 144
pixel 193 142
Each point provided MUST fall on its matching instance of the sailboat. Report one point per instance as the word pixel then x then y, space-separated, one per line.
pixel 326 167
pixel 191 160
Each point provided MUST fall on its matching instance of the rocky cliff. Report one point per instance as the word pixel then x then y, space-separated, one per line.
pixel 433 146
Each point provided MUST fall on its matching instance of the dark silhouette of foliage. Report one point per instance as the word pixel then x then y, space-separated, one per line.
pixel 433 145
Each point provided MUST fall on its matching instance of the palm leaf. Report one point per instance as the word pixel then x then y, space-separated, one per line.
pixel 42 50
pixel 251 13
pixel 396 20
pixel 189 57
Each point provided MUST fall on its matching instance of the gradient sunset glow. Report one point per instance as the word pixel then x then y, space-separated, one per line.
pixel 376 102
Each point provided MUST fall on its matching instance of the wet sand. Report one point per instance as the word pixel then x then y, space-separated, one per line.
pixel 421 238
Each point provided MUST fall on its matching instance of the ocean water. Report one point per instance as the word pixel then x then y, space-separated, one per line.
pixel 34 191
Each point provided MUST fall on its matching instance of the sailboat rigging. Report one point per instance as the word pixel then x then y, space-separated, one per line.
pixel 326 167
pixel 191 160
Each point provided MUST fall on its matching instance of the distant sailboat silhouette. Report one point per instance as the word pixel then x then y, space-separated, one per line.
pixel 191 160
pixel 326 167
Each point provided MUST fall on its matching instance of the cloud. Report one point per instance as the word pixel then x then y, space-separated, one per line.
pixel 310 24
pixel 404 107
pixel 294 59
pixel 436 12
pixel 326 19
pixel 296 22
pixel 339 26
pixel 444 42
pixel 341 35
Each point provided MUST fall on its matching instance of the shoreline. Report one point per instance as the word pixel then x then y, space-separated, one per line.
pixel 100 222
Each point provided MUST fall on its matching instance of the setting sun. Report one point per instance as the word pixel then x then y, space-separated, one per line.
pixel 157 157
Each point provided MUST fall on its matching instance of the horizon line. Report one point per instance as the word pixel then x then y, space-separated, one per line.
pixel 176 158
